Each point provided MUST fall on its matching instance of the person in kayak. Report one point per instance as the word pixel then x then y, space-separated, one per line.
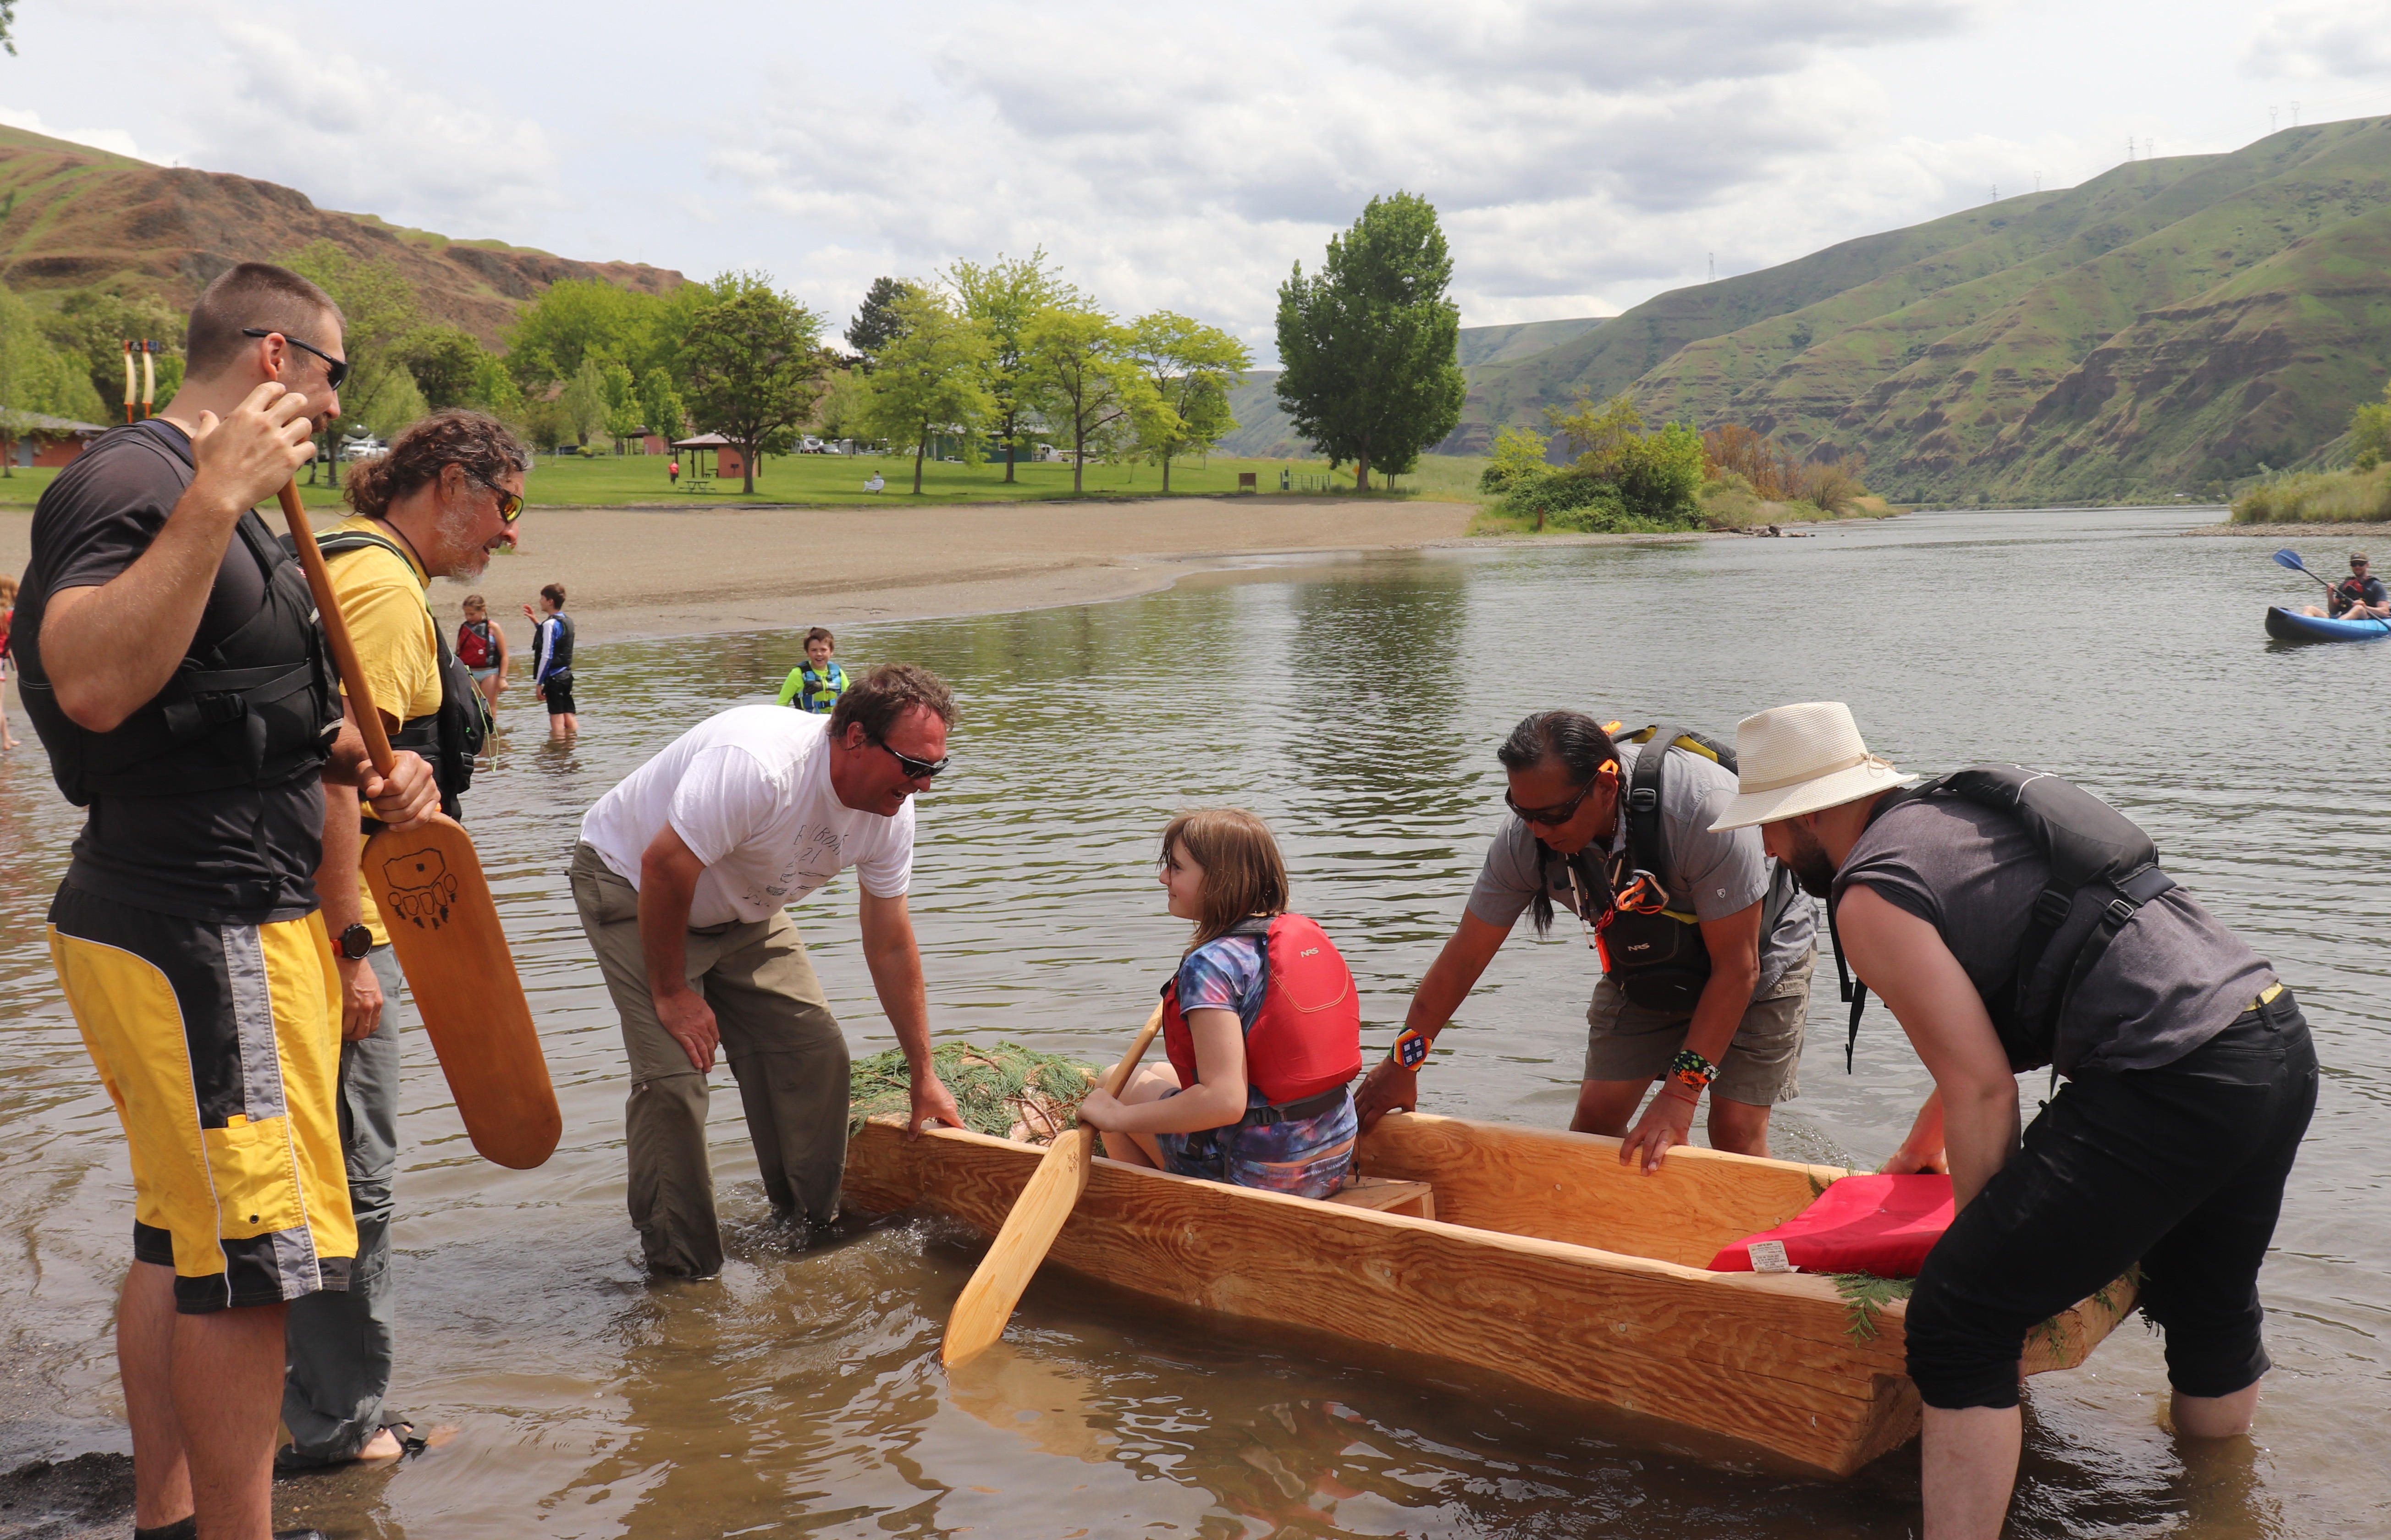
pixel 1706 945
pixel 2360 596
pixel 1260 1025
pixel 2190 1081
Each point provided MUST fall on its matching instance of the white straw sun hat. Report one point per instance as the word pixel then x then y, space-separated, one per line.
pixel 1802 759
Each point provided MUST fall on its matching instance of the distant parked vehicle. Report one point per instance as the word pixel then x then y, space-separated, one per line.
pixel 367 447
pixel 809 444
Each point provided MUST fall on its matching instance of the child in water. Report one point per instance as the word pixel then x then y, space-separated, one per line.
pixel 816 683
pixel 1237 1036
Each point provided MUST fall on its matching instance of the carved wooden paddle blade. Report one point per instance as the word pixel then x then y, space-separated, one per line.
pixel 442 923
pixel 1037 1215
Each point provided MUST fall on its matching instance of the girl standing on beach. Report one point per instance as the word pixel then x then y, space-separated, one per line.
pixel 1260 1022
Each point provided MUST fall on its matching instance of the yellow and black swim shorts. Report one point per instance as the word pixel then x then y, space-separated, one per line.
pixel 220 1045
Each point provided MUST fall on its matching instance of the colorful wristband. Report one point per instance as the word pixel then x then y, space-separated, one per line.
pixel 1411 1048
pixel 1691 1070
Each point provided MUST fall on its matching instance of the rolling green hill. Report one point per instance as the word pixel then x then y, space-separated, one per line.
pixel 2166 327
pixel 72 216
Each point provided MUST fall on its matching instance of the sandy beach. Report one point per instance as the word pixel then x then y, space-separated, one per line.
pixel 638 572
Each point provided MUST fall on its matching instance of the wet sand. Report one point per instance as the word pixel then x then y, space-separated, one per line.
pixel 647 572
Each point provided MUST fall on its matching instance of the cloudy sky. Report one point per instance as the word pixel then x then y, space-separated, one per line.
pixel 1584 154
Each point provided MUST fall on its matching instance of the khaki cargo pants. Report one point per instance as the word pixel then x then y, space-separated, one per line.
pixel 785 1049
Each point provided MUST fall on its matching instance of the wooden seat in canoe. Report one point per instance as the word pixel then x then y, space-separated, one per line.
pixel 1388 1197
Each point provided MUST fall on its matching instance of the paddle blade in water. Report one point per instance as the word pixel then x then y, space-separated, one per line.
pixel 2290 558
pixel 436 905
pixel 1046 1200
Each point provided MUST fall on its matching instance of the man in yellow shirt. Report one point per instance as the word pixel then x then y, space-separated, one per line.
pixel 443 498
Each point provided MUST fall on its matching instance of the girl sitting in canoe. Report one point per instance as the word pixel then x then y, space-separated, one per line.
pixel 1260 1022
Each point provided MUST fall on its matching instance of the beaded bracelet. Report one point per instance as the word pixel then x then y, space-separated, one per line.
pixel 1691 1070
pixel 1411 1048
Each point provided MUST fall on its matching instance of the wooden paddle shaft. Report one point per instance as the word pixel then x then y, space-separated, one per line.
pixel 336 631
pixel 1035 1219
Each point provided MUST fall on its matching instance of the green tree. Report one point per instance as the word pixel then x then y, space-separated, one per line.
pixel 584 399
pixel 1092 388
pixel 446 363
pixel 930 380
pixel 876 324
pixel 1191 368
pixel 1005 298
pixel 1370 347
pixel 574 319
pixel 661 406
pixel 381 316
pixel 38 378
pixel 1598 435
pixel 2369 433
pixel 846 405
pixel 1519 460
pixel 624 416
pixel 754 363
pixel 7 21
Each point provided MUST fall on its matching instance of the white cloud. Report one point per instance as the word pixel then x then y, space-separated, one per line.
pixel 115 140
pixel 362 136
pixel 2322 40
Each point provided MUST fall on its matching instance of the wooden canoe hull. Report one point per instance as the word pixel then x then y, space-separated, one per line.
pixel 1764 1358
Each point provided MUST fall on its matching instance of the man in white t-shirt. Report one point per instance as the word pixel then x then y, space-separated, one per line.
pixel 683 878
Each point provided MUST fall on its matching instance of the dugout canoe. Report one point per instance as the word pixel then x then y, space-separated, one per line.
pixel 2285 624
pixel 1545 1261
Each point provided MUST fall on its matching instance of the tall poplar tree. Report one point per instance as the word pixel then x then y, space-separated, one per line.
pixel 1370 347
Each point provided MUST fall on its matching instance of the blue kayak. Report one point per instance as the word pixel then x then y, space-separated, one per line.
pixel 2290 626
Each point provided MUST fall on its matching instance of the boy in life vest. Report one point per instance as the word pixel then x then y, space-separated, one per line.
pixel 816 684
pixel 1261 1023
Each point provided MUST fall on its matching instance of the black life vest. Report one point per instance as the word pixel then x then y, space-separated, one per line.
pixel 1306 1040
pixel 1651 940
pixel 260 709
pixel 2098 857
pixel 454 732
pixel 560 650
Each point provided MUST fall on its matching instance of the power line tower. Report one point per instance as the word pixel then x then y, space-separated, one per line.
pixel 1713 262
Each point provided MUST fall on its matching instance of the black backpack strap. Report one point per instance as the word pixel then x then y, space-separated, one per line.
pixel 1648 840
pixel 1855 992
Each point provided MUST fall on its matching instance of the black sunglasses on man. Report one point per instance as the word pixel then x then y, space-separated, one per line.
pixel 336 371
pixel 915 769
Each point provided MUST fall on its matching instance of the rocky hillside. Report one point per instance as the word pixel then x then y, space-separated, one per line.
pixel 71 217
pixel 2166 327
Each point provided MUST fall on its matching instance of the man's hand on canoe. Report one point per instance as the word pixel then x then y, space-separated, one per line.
pixel 1388 1086
pixel 931 1103
pixel 1666 1122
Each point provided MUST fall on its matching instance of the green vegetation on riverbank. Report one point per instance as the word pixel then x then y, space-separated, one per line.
pixel 2360 494
pixel 612 481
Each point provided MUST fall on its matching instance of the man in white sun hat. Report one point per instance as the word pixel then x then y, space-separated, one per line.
pixel 2189 1075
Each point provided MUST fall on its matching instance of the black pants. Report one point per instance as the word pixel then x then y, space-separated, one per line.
pixel 2179 1168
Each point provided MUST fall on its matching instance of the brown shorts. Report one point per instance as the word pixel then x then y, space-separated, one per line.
pixel 1763 1067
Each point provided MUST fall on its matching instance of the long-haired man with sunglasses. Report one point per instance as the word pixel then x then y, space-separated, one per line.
pixel 445 496
pixel 1725 1015
pixel 684 877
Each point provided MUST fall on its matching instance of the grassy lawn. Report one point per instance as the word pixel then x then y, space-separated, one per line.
pixel 609 480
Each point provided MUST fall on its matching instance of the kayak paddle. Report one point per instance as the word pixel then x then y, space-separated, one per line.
pixel 442 923
pixel 1037 1218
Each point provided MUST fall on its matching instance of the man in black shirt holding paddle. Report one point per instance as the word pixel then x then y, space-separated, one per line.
pixel 2360 596
pixel 1965 905
pixel 179 678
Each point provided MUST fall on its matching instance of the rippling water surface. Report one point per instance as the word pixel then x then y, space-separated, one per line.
pixel 1356 706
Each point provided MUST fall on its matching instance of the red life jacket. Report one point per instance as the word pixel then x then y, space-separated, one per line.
pixel 473 644
pixel 1307 1038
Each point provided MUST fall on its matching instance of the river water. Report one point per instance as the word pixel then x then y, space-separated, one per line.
pixel 1355 704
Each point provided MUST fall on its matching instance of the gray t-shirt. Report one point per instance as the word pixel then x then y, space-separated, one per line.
pixel 1715 875
pixel 2173 978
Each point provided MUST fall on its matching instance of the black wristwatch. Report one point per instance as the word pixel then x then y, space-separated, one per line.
pixel 356 942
